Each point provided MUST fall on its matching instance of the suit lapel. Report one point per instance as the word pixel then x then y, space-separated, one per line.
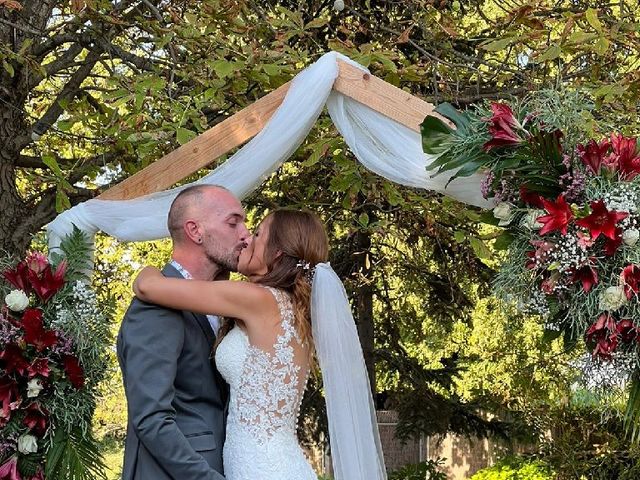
pixel 170 271
pixel 203 321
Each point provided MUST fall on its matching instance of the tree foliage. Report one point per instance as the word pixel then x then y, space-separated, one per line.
pixel 93 90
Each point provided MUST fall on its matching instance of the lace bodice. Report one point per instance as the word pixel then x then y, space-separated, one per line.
pixel 269 387
pixel 266 389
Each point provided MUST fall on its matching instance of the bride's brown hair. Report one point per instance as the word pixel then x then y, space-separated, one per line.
pixel 297 239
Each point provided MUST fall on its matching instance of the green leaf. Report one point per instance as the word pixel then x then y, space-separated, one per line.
pixel 51 162
pixel 363 219
pixel 498 45
pixel 489 218
pixel 319 150
pixel 271 69
pixel 447 110
pixel 594 21
pixel 552 53
pixel 632 412
pixel 25 46
pixel 601 46
pixel 388 64
pixel 503 241
pixel 184 135
pixel 62 201
pixel 479 248
pixel 317 23
pixel 9 68
pixel 549 336
pixel 65 125
pixel 434 135
pixel 74 456
pixel 580 37
pixel 223 68
pixel 460 236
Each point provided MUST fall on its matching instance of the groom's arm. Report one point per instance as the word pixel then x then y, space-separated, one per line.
pixel 152 339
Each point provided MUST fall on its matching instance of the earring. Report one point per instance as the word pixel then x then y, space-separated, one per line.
pixel 200 240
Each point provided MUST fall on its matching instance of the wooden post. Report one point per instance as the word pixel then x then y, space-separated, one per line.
pixel 372 91
pixel 201 151
pixel 383 97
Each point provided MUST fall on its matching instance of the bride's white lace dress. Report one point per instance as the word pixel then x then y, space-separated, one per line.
pixel 266 392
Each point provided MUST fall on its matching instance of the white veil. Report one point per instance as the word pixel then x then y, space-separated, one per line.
pixel 356 452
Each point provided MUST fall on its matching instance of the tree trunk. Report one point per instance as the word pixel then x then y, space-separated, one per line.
pixel 364 304
pixel 12 206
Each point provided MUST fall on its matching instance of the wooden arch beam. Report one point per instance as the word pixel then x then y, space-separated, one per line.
pixel 244 125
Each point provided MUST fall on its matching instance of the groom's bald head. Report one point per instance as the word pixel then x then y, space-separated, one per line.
pixel 195 203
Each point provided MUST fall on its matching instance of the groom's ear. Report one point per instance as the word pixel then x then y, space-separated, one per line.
pixel 192 231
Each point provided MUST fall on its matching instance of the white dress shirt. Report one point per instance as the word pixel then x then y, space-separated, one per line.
pixel 214 321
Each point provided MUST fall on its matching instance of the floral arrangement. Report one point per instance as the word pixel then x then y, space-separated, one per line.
pixel 570 207
pixel 53 339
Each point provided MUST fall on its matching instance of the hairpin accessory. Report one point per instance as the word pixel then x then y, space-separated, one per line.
pixel 308 271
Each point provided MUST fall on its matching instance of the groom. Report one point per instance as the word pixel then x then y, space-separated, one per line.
pixel 176 398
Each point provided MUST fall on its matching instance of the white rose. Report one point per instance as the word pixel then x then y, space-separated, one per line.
pixel 530 220
pixel 34 387
pixel 504 213
pixel 27 444
pixel 612 298
pixel 338 5
pixel 630 237
pixel 17 300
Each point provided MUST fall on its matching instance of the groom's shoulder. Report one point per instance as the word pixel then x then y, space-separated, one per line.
pixel 138 308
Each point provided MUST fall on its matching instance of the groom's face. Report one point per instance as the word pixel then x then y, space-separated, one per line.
pixel 224 228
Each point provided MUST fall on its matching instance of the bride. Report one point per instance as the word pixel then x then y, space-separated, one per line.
pixel 292 311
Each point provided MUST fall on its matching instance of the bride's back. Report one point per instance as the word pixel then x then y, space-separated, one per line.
pixel 267 371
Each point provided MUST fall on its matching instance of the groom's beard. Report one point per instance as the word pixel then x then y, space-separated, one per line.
pixel 225 260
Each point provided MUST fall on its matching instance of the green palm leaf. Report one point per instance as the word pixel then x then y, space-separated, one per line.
pixel 632 414
pixel 74 456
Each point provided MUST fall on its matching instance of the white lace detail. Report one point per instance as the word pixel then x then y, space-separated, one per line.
pixel 269 395
pixel 266 391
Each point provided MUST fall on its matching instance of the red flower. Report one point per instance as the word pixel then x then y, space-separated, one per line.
pixel 46 283
pixel 530 198
pixel 601 220
pixel 9 469
pixel 9 399
pixel 560 215
pixel 37 262
pixel 34 333
pixel 611 246
pixel 19 277
pixel 585 241
pixel 13 359
pixel 501 129
pixel 74 371
pixel 631 279
pixel 549 284
pixel 626 330
pixel 604 333
pixel 628 160
pixel 540 254
pixel 40 366
pixel 593 154
pixel 36 418
pixel 587 275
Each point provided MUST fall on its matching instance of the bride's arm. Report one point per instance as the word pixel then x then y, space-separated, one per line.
pixel 227 298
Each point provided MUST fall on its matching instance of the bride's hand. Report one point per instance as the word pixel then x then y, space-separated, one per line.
pixel 143 279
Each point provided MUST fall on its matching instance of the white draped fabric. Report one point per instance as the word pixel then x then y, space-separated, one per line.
pixel 381 144
pixel 356 451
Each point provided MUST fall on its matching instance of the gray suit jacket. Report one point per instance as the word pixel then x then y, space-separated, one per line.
pixel 176 398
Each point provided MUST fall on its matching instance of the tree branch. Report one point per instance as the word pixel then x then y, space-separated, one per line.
pixel 60 63
pixel 69 91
